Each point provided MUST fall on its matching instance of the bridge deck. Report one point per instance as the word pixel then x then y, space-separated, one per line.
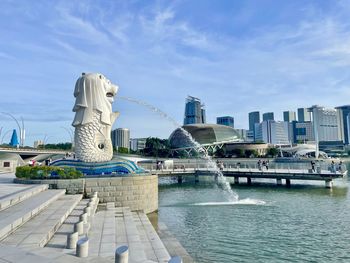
pixel 295 174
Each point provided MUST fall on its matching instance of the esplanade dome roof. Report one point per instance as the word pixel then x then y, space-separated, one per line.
pixel 203 134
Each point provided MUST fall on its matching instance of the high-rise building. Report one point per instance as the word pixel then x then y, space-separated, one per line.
pixel 194 111
pixel 254 117
pixel 137 144
pixel 226 120
pixel 326 126
pixel 289 116
pixel 302 132
pixel 38 143
pixel 304 115
pixel 273 132
pixel 343 115
pixel 268 116
pixel 121 138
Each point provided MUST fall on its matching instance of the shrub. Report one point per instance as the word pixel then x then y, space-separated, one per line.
pixel 47 172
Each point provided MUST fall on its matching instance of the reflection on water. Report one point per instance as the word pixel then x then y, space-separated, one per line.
pixel 272 224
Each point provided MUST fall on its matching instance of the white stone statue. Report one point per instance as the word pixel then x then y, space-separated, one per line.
pixel 94 117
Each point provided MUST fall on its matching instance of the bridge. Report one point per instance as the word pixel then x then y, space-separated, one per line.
pixel 254 173
pixel 30 153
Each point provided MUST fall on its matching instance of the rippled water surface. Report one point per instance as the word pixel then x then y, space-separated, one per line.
pixel 306 223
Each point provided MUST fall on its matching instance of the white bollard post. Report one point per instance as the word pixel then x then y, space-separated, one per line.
pixel 176 259
pixel 122 254
pixel 83 218
pixel 72 240
pixel 79 227
pixel 87 210
pixel 82 248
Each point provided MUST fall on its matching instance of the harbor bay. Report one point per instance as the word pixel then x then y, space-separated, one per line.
pixel 304 223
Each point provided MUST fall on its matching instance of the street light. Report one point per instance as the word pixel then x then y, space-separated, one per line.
pixel 7 132
pixel 71 134
pixel 21 130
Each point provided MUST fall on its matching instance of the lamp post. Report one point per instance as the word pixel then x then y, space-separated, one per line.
pixel 71 135
pixel 20 129
pixel 7 132
pixel 45 139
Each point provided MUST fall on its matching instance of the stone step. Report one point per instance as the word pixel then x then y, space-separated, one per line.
pixel 153 245
pixel 16 215
pixel 127 234
pixel 59 241
pixel 102 235
pixel 11 254
pixel 13 194
pixel 40 229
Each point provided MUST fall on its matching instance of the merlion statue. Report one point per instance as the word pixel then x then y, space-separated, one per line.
pixel 94 118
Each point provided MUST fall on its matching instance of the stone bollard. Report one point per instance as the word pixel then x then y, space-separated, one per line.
pixel 122 254
pixel 82 247
pixel 83 218
pixel 95 194
pixel 87 210
pixel 72 240
pixel 90 204
pixel 79 227
pixel 176 259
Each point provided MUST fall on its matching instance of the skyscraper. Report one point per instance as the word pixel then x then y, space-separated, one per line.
pixel 121 138
pixel 343 114
pixel 194 111
pixel 268 116
pixel 226 120
pixel 274 132
pixel 304 115
pixel 289 116
pixel 254 117
pixel 326 125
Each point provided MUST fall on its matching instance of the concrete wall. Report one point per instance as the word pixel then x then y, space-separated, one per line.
pixel 8 166
pixel 137 192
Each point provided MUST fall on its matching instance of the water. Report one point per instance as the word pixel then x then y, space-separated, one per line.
pixel 211 164
pixel 306 223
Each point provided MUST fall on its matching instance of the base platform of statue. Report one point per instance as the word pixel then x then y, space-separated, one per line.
pixel 115 167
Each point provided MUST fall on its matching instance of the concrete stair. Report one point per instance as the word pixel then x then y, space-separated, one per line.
pixel 153 245
pixel 40 229
pixel 35 223
pixel 59 240
pixel 16 215
pixel 9 254
pixel 11 196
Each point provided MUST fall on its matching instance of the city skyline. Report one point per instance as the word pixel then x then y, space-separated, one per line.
pixel 238 60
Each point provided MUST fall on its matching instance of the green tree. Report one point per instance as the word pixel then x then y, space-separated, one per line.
pixel 273 152
pixel 66 146
pixel 157 147
pixel 251 153
pixel 123 150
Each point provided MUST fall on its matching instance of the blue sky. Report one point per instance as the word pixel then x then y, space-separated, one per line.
pixel 236 56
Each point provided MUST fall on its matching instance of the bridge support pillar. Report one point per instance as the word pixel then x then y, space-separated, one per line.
pixel 279 181
pixel 288 183
pixel 236 180
pixel 329 183
pixel 179 179
pixel 196 178
pixel 249 181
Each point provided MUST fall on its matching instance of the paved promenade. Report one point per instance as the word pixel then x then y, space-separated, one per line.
pixel 35 222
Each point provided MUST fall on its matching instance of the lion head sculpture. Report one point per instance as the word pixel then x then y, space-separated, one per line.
pixel 94 118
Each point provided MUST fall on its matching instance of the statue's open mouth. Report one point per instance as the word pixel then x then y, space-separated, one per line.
pixel 110 95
